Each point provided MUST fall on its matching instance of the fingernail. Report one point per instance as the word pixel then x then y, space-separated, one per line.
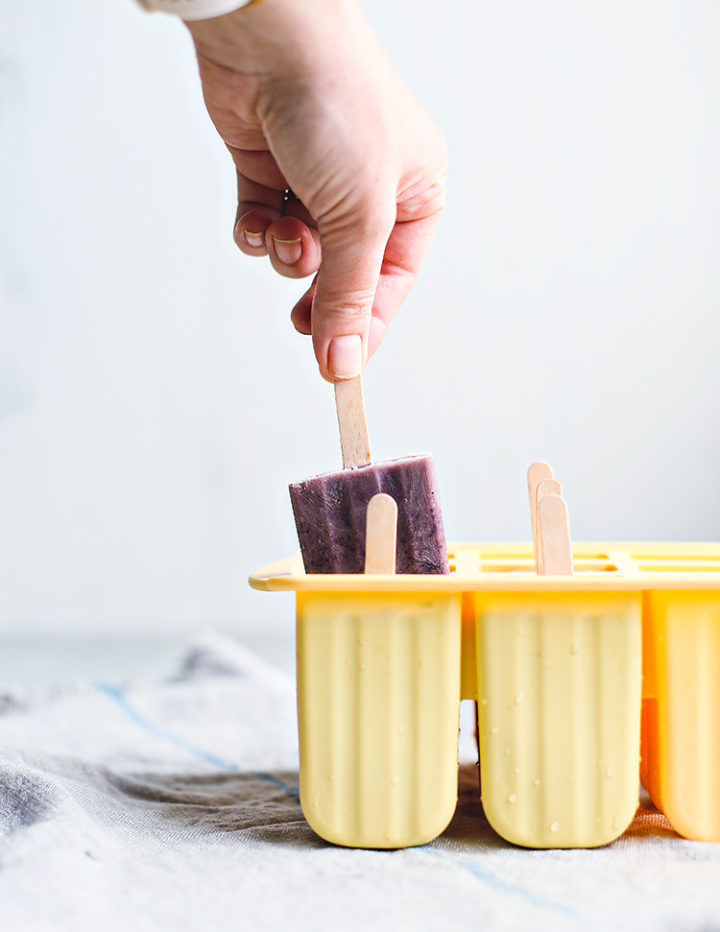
pixel 345 356
pixel 288 250
pixel 255 239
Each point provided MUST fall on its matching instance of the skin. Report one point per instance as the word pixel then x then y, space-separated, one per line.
pixel 305 98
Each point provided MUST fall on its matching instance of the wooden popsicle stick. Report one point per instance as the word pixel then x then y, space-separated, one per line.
pixel 381 534
pixel 554 536
pixel 544 487
pixel 354 440
pixel 535 475
pixel 548 487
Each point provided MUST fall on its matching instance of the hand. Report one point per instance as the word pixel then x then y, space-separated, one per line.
pixel 305 98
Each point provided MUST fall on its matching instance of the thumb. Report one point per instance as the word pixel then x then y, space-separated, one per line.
pixel 346 284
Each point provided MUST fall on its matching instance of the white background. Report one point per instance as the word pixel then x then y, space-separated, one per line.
pixel 155 401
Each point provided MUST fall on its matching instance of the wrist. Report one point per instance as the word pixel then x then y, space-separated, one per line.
pixel 240 33
pixel 308 42
pixel 190 10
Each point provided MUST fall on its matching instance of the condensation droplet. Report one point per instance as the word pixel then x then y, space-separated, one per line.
pixel 507 752
pixel 574 647
pixel 519 698
pixel 512 797
pixel 493 731
pixel 363 666
pixel 483 702
pixel 617 824
pixel 555 826
pixel 395 781
pixel 608 771
pixel 536 781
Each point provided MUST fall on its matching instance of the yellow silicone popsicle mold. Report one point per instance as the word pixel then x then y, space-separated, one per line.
pixel 555 665
pixel 559 715
pixel 681 704
pixel 378 694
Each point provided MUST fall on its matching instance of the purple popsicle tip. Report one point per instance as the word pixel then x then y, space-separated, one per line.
pixel 330 513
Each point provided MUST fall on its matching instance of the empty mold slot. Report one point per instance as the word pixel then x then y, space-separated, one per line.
pixel 680 566
pixel 505 555
pixel 527 566
pixel 506 565
pixel 463 561
pixel 594 566
pixel 677 557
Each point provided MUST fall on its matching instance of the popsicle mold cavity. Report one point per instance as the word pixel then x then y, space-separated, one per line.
pixel 681 709
pixel 558 687
pixel 330 513
pixel 378 694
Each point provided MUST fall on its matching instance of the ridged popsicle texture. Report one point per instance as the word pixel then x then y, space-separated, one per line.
pixel 681 710
pixel 559 716
pixel 378 694
pixel 330 512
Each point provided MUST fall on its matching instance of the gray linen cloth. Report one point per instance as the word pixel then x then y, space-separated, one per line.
pixel 173 805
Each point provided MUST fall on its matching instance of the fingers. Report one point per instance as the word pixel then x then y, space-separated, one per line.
pixel 406 249
pixel 258 207
pixel 349 322
pixel 404 253
pixel 366 268
pixel 260 166
pixel 266 225
pixel 301 314
pixel 391 291
pixel 293 247
pixel 352 257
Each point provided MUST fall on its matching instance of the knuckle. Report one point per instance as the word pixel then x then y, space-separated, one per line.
pixel 350 311
pixel 436 196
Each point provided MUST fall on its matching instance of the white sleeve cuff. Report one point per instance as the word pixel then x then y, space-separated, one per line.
pixel 194 9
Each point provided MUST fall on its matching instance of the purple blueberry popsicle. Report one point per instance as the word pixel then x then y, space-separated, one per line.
pixel 330 513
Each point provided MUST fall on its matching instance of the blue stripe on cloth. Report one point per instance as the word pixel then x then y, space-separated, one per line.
pixel 492 880
pixel 287 788
pixel 119 696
